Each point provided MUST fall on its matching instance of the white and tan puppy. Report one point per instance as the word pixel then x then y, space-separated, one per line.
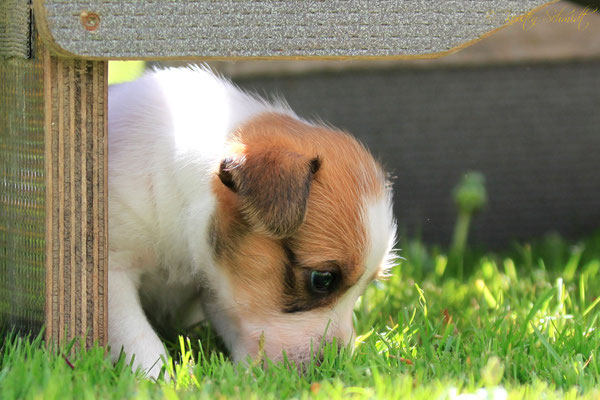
pixel 272 224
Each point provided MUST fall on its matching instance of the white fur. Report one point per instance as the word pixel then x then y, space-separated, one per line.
pixel 167 133
pixel 381 233
pixel 166 137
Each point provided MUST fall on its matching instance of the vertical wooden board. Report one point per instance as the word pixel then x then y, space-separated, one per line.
pixel 76 237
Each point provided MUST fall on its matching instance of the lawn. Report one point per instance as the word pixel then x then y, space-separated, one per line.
pixel 522 323
pixel 447 324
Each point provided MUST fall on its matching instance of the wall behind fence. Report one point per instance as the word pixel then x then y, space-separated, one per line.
pixel 533 130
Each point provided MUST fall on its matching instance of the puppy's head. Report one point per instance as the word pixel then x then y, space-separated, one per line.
pixel 303 223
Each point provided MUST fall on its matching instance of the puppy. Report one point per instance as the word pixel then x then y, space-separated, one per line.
pixel 272 225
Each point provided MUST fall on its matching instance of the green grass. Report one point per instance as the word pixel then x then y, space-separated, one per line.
pixel 125 71
pixel 522 323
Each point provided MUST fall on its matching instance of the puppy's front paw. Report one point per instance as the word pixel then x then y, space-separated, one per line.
pixel 149 355
pixel 128 327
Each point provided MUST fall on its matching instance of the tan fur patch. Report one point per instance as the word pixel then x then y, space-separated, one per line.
pixel 332 231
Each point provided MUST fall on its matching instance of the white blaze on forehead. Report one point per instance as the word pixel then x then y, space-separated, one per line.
pixel 381 231
pixel 381 236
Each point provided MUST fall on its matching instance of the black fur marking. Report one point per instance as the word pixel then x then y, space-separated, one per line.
pixel 225 174
pixel 291 308
pixel 293 261
pixel 315 165
pixel 296 286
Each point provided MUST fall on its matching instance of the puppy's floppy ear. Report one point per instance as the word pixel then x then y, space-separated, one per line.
pixel 273 187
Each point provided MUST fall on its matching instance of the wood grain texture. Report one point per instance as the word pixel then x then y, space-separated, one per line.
pixel 76 181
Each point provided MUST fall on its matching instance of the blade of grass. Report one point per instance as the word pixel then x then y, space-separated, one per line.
pixel 547 345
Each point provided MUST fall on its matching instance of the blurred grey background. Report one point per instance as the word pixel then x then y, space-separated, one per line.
pixel 522 106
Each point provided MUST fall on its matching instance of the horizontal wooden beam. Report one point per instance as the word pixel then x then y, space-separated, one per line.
pixel 226 29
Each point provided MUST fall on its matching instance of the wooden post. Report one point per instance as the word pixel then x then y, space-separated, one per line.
pixel 53 186
pixel 75 109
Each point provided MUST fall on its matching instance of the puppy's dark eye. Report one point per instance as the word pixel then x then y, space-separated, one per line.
pixel 322 282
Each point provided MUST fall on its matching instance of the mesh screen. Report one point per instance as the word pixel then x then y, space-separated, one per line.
pixel 22 214
pixel 15 28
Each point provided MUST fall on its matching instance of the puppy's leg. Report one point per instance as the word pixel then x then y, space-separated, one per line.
pixel 192 312
pixel 128 327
